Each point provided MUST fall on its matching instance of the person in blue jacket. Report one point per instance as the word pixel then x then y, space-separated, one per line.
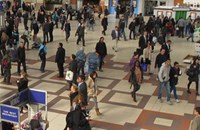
pixel 42 55
pixel 93 62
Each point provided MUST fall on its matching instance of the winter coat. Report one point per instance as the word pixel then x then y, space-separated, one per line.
pixel 91 87
pixel 81 57
pixel 60 55
pixel 93 62
pixel 195 70
pixel 101 49
pixel 174 73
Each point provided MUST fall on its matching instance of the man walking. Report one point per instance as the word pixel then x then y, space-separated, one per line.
pixel 115 36
pixel 60 59
pixel 80 33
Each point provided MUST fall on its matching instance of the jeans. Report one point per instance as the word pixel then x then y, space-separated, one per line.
pixel 101 58
pixel 95 101
pixel 173 87
pixel 19 65
pixel 7 75
pixel 191 36
pixel 122 33
pixel 43 64
pixel 181 32
pixel 161 86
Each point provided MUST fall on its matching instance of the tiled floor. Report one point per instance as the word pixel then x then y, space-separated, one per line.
pixel 115 102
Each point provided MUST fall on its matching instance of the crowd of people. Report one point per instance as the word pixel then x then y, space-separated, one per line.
pixel 82 84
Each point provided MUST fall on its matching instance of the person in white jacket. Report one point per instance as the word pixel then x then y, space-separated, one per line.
pixel 163 76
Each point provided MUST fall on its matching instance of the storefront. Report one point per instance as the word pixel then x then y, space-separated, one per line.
pixel 146 6
pixel 114 3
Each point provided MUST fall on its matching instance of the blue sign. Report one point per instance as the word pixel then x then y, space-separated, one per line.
pixel 10 114
pixel 38 97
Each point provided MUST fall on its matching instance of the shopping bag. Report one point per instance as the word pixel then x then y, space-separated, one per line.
pixel 69 75
pixel 86 68
pixel 144 67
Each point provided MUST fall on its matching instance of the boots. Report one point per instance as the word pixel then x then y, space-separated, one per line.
pixel 97 112
pixel 134 97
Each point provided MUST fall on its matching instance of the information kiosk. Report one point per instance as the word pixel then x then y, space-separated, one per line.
pixel 36 100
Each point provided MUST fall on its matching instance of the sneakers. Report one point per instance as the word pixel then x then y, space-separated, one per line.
pixel 169 102
pixel 177 100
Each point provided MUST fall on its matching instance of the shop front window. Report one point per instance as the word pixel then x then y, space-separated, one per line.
pixel 163 3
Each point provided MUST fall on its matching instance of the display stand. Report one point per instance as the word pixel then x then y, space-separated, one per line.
pixel 10 108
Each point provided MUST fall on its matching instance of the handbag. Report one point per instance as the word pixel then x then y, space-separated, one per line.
pixel 144 67
pixel 69 75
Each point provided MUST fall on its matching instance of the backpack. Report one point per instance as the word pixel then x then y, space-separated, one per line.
pixel 41 52
pixel 189 73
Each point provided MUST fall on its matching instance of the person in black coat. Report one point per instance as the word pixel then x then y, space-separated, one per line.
pixel 160 58
pixel 80 32
pixel 22 84
pixel 104 24
pixel 25 17
pixel 167 47
pixel 101 49
pixel 174 73
pixel 7 126
pixel 60 59
pixel 21 56
pixel 82 87
pixel 194 69
pixel 118 10
pixel 132 29
pixel 73 66
pixel 46 31
pixel 51 25
pixel 143 41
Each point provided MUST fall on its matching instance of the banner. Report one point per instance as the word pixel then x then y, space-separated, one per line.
pixel 10 114
pixel 37 96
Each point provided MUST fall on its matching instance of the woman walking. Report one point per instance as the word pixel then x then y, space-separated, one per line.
pixel 92 90
pixel 194 75
pixel 136 78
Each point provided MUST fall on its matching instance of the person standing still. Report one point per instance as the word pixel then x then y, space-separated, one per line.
pixel 163 76
pixel 60 59
pixel 6 65
pixel 42 55
pixel 45 32
pixel 51 27
pixel 21 56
